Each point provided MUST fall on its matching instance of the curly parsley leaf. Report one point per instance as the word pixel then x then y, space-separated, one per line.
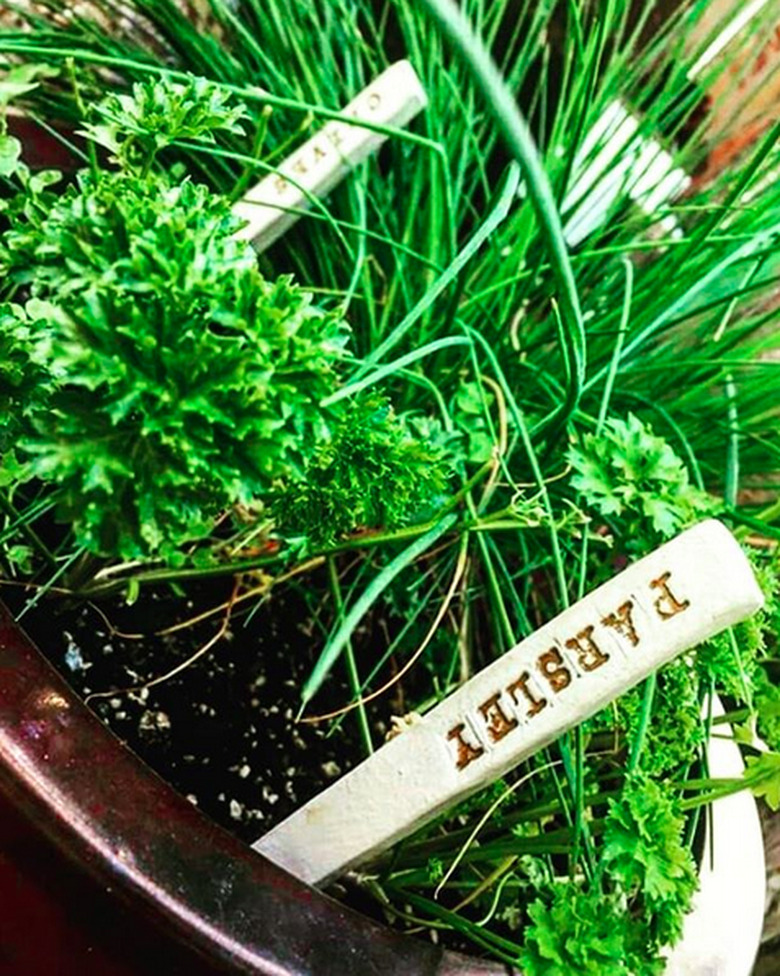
pixel 675 734
pixel 136 126
pixel 628 473
pixel 762 774
pixel 644 852
pixel 374 471
pixel 576 930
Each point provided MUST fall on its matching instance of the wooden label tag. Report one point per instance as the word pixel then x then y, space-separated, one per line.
pixel 681 594
pixel 392 99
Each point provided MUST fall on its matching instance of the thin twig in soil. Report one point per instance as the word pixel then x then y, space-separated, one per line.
pixel 160 679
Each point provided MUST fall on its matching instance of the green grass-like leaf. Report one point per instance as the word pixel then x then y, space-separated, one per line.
pixel 365 601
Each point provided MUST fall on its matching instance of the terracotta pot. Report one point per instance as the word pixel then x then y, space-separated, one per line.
pixel 202 889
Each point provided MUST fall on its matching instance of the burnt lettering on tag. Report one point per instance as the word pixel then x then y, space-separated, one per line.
pixel 589 655
pixel 622 621
pixel 497 721
pixel 466 752
pixel 521 685
pixel 553 667
pixel 667 605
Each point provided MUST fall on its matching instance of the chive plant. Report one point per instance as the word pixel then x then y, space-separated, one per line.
pixel 467 416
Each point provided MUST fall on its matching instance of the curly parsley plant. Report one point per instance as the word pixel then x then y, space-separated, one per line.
pixel 183 382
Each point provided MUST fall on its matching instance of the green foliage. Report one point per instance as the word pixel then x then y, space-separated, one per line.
pixel 728 660
pixel 10 155
pixel 470 405
pixel 189 381
pixel 17 81
pixel 675 733
pixel 24 387
pixel 374 471
pixel 632 477
pixel 765 685
pixel 20 80
pixel 578 930
pixel 186 382
pixel 766 698
pixel 159 112
pixel 736 663
pixel 665 322
pixel 435 870
pixel 762 774
pixel 22 378
pixel 645 854
pixel 585 930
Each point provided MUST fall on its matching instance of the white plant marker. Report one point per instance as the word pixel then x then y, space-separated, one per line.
pixel 271 207
pixel 614 160
pixel 682 593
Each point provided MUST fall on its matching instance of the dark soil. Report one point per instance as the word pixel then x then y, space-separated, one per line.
pixel 223 732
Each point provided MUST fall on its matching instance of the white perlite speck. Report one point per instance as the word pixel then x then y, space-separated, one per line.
pixel 683 593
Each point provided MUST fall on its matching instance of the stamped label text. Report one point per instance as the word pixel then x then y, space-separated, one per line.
pixel 554 672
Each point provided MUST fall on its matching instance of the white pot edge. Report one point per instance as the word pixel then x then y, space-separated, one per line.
pixel 721 936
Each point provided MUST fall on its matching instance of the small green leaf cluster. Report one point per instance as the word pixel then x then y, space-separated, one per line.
pixel 24 384
pixel 10 154
pixel 20 80
pixel 675 733
pixel 729 660
pixel 733 664
pixel 375 470
pixel 578 930
pixel 766 697
pixel 633 478
pixel 17 81
pixel 738 662
pixel 471 403
pixel 762 773
pixel 435 869
pixel 136 126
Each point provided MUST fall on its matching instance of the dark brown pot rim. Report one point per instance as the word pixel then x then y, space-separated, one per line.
pixel 112 815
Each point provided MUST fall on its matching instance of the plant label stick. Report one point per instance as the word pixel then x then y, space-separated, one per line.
pixel 616 157
pixel 682 593
pixel 392 99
